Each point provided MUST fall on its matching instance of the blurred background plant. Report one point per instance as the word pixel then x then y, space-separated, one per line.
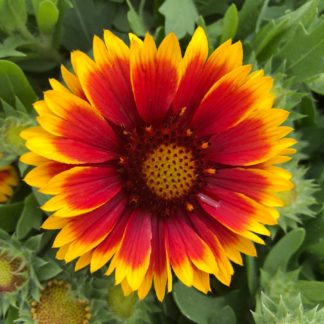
pixel 285 38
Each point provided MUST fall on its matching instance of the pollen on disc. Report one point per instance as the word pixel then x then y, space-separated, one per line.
pixel 170 171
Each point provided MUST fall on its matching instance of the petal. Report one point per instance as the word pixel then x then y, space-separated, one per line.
pixel 104 251
pixel 53 222
pixel 86 232
pixel 237 212
pixel 132 259
pixel 191 69
pixel 107 86
pixel 257 184
pixel 72 82
pixel 83 261
pixel 42 174
pixel 75 119
pixel 80 190
pixel 223 60
pixel 78 149
pixel 60 254
pixel 225 269
pixel 67 151
pixel 255 140
pixel 127 290
pixel 90 226
pixel 197 250
pixel 231 99
pixel 201 280
pixel 160 266
pixel 58 86
pixel 232 243
pixel 32 159
pixel 154 76
pixel 31 132
pixel 8 179
pixel 145 286
pixel 177 253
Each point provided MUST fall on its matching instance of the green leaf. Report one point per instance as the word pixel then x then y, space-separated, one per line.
pixel 31 217
pixel 84 20
pixel 311 290
pixel 316 83
pixel 180 16
pixel 9 47
pixel 47 16
pixel 9 215
pixel 316 249
pixel 13 15
pixel 62 6
pixel 40 197
pixel 252 274
pixel 230 23
pixel 11 315
pixel 280 254
pixel 200 308
pixel 308 110
pixel 214 32
pixel 248 17
pixel 211 7
pixel 34 242
pixel 304 52
pixel 4 236
pixel 13 83
pixel 136 20
pixel 48 271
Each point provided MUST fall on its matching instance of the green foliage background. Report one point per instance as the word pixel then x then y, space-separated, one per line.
pixel 284 37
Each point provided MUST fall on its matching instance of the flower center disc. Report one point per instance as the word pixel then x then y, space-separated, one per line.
pixel 170 171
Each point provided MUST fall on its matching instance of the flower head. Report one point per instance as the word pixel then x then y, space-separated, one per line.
pixel 56 305
pixel 12 272
pixel 8 179
pixel 159 162
pixel 121 306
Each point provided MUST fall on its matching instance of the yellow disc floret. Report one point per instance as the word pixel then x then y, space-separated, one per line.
pixel 170 170
pixel 6 275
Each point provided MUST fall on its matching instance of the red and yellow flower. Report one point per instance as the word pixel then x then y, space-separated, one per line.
pixel 8 179
pixel 159 162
